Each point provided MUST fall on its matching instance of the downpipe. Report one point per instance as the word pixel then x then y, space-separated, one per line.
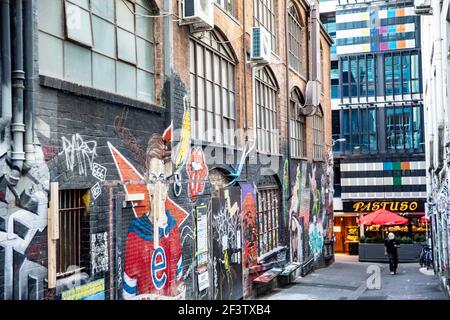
pixel 29 101
pixel 18 80
pixel 6 105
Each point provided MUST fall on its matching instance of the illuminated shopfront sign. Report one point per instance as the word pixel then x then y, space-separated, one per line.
pixel 399 206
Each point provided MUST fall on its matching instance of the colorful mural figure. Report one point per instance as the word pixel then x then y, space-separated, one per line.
pixel 250 236
pixel 315 230
pixel 153 254
pixel 183 147
pixel 198 173
pixel 294 214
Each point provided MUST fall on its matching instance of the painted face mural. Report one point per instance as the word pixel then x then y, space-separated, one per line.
pixel 198 173
pixel 153 253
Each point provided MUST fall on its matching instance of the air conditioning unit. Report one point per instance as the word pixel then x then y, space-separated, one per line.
pixel 197 13
pixel 423 7
pixel 261 46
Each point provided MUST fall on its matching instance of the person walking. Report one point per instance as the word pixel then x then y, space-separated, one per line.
pixel 390 250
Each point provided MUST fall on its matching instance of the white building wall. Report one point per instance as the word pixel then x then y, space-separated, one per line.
pixel 435 33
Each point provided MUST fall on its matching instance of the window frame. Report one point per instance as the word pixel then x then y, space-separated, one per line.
pixel 71 203
pixel 144 75
pixel 297 133
pixel 265 16
pixel 267 218
pixel 318 129
pixel 214 134
pixel 267 113
pixel 297 34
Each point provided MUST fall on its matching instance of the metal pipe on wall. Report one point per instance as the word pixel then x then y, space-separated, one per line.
pixel 29 55
pixel 18 79
pixel 6 106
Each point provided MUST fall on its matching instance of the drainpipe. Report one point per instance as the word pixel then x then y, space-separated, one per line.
pixel 18 79
pixel 6 106
pixel 288 105
pixel 244 52
pixel 29 54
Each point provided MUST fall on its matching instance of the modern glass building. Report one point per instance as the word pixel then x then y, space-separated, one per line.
pixel 377 114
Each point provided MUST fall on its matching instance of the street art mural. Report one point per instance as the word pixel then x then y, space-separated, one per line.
pixel 298 210
pixel 182 150
pixel 23 231
pixel 198 173
pixel 315 230
pixel 250 236
pixel 227 244
pixel 153 265
pixel 310 210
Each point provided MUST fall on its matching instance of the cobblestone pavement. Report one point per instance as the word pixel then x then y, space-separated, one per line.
pixel 346 279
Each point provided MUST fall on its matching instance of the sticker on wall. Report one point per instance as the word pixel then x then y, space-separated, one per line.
pixel 99 252
pixel 197 172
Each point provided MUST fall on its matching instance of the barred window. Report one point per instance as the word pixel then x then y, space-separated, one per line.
pixel 228 5
pixel 107 45
pixel 266 112
pixel 297 40
pixel 264 16
pixel 297 126
pixel 267 219
pixel 212 80
pixel 318 135
pixel 72 223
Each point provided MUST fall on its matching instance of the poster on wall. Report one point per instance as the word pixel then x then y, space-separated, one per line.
pixel 91 291
pixel 202 235
pixel 99 252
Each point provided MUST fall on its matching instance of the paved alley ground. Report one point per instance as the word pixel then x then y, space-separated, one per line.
pixel 346 279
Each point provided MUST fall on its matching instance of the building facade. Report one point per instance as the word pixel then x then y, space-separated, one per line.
pixel 435 19
pixel 378 115
pixel 143 160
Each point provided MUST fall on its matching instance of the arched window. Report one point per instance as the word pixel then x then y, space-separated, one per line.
pixel 212 81
pixel 264 16
pixel 318 135
pixel 297 126
pixel 297 40
pixel 266 111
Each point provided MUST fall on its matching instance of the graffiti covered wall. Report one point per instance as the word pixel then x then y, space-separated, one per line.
pixel 23 231
pixel 310 210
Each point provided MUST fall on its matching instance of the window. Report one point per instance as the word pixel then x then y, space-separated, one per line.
pixel 266 111
pixel 401 72
pixel 107 45
pixel 318 135
pixel 358 76
pixel 264 16
pixel 360 129
pixel 72 223
pixel 297 41
pixel 213 105
pixel 297 126
pixel 267 219
pixel 228 5
pixel 404 127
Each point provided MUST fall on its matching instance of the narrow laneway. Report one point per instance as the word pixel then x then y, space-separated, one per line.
pixel 347 278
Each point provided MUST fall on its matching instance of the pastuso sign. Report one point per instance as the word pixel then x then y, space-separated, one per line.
pixel 398 206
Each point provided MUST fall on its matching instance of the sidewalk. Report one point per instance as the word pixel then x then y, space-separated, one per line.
pixel 346 280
